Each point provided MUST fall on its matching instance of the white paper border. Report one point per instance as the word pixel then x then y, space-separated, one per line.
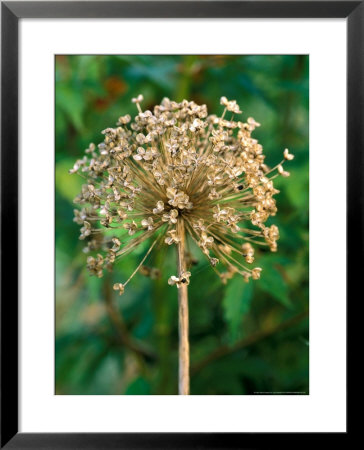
pixel 324 408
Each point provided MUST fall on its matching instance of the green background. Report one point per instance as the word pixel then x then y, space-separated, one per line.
pixel 245 338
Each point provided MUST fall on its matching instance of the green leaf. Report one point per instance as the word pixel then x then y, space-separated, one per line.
pixel 71 102
pixel 298 191
pixel 236 303
pixel 271 282
pixel 68 185
pixel 139 386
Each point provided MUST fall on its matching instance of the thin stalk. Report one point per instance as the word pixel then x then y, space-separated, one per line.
pixel 184 348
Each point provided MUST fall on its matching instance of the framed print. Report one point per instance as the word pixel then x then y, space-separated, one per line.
pixel 171 277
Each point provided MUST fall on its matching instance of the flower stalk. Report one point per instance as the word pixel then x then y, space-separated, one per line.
pixel 184 348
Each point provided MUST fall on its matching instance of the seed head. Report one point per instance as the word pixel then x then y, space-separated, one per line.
pixel 178 163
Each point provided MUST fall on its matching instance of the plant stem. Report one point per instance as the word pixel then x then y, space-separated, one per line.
pixel 184 348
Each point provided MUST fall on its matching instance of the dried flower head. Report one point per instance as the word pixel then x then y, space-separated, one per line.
pixel 175 165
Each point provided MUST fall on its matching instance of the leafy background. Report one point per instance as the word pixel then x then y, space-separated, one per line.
pixel 245 338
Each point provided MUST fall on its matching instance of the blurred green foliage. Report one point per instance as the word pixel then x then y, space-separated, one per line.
pixel 245 338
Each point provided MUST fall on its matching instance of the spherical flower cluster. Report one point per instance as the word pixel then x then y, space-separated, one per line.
pixel 178 165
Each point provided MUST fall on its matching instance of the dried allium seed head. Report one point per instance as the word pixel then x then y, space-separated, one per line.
pixel 174 164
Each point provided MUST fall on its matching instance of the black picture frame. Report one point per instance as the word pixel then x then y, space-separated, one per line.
pixel 11 12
